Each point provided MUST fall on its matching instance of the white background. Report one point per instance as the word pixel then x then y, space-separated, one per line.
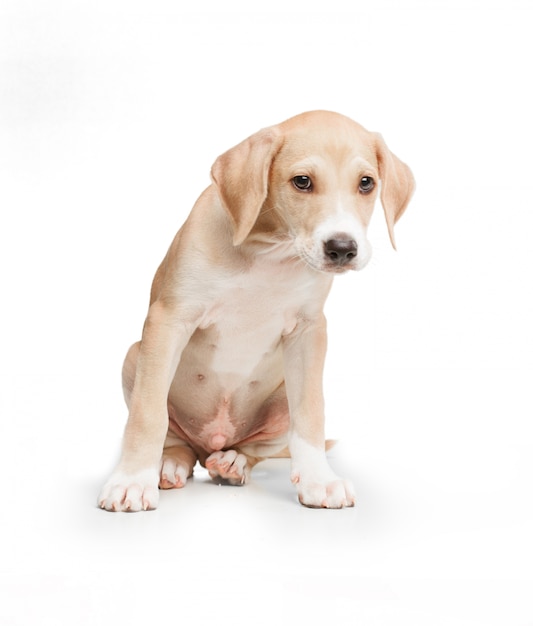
pixel 111 114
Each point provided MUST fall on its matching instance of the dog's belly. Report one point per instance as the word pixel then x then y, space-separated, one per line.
pixel 228 390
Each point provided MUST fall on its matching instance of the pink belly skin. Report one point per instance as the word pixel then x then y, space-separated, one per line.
pixel 225 430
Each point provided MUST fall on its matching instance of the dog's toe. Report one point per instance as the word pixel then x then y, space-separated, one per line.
pixel 335 494
pixel 229 466
pixel 173 475
pixel 130 492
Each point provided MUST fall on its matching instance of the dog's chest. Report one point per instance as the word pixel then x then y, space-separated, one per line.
pixel 253 309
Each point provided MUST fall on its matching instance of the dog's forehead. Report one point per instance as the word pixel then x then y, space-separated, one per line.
pixel 327 134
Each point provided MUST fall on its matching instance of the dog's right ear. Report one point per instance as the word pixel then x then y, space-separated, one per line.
pixel 241 177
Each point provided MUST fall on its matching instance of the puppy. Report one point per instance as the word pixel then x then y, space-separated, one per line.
pixel 229 368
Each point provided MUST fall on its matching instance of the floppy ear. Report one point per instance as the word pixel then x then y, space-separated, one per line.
pixel 241 177
pixel 397 185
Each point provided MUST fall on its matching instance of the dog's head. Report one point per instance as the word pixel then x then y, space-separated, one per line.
pixel 313 179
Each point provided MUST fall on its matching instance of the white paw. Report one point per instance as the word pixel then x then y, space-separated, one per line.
pixel 130 492
pixel 173 474
pixel 326 494
pixel 318 485
pixel 228 465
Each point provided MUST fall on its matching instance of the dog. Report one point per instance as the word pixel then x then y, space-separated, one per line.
pixel 229 368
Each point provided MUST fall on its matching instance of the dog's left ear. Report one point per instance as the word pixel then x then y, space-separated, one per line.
pixel 241 177
pixel 397 185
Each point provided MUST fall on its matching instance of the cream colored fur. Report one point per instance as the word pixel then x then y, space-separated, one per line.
pixel 229 367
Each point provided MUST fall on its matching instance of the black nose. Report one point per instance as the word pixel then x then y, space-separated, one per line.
pixel 340 251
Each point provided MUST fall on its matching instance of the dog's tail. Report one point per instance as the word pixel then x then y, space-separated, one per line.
pixel 285 454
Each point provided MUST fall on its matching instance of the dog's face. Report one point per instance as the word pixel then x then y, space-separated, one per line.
pixel 324 182
pixel 315 179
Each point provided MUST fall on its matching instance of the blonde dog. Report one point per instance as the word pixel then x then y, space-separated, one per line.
pixel 229 368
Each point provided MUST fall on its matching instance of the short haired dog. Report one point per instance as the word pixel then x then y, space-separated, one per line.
pixel 229 368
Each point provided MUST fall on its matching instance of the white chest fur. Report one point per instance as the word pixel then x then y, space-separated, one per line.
pixel 252 309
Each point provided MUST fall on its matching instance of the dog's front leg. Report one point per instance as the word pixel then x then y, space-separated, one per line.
pixel 133 486
pixel 304 352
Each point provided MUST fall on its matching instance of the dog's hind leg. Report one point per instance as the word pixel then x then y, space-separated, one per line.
pixel 177 463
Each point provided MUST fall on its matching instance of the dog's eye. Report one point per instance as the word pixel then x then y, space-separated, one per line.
pixel 303 183
pixel 366 184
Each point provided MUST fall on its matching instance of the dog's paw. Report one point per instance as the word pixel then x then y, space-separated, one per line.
pixel 333 493
pixel 228 466
pixel 130 492
pixel 173 474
